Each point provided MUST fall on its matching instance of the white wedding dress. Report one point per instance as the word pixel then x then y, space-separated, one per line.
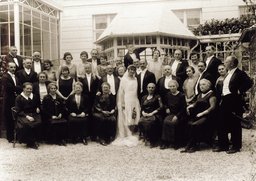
pixel 127 103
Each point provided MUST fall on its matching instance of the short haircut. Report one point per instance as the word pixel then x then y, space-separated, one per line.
pixel 48 61
pixel 84 53
pixel 51 85
pixel 206 81
pixel 202 62
pixel 64 68
pixel 27 83
pixel 192 68
pixel 234 60
pixel 44 74
pixel 105 83
pixel 78 83
pixel 67 54
pixel 175 82
pixel 156 50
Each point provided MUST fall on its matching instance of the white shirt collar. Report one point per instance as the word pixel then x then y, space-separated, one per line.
pixel 209 58
pixel 11 74
pixel 26 97
pixel 232 70
pixel 88 75
pixel 27 70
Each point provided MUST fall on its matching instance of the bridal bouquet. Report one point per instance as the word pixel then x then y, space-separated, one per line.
pixel 134 113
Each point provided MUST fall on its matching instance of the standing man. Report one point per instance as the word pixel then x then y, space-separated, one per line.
pixel 179 66
pixel 10 91
pixel 95 61
pixel 13 57
pixel 212 63
pixel 27 74
pixel 132 54
pixel 144 78
pixel 235 84
pixel 37 65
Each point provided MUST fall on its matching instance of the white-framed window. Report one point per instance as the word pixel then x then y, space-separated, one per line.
pixel 100 23
pixel 189 17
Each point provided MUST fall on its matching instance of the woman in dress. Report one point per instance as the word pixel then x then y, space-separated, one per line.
pixel 51 73
pixel 104 110
pixel 78 111
pixel 68 63
pixel 54 116
pixel 128 109
pixel 200 117
pixel 156 65
pixel 189 85
pixel 150 121
pixel 65 83
pixel 102 66
pixel 174 123
pixel 28 116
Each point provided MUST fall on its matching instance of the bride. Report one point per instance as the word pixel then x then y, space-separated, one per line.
pixel 128 109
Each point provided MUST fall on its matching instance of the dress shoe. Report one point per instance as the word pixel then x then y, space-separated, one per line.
pixel 192 150
pixel 162 147
pixel 63 143
pixel 184 151
pixel 103 142
pixel 84 141
pixel 219 149
pixel 33 146
pixel 232 150
pixel 153 145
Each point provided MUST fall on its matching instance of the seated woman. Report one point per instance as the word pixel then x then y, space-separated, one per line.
pixel 104 115
pixel 77 105
pixel 150 120
pixel 174 123
pixel 53 113
pixel 200 116
pixel 28 117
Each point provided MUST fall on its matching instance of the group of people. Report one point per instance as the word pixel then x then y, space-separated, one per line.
pixel 162 103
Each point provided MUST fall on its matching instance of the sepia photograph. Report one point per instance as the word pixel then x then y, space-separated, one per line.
pixel 127 90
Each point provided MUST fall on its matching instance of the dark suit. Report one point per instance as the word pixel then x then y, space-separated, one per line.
pixel 212 69
pixel 41 64
pixel 24 77
pixel 36 89
pixel 77 127
pixel 181 70
pixel 205 75
pixel 90 60
pixel 231 108
pixel 149 77
pixel 9 58
pixel 116 80
pixel 162 91
pixel 10 91
pixel 128 59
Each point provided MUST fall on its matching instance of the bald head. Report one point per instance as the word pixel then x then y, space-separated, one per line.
pixel 36 56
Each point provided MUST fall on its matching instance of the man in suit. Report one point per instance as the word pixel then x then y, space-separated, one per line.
pixel 37 65
pixel 179 66
pixel 95 61
pixel 27 74
pixel 212 63
pixel 13 57
pixel 235 84
pixel 162 84
pixel 202 75
pixel 91 85
pixel 10 91
pixel 132 54
pixel 113 80
pixel 144 78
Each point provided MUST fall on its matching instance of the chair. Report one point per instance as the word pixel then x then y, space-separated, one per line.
pixel 14 117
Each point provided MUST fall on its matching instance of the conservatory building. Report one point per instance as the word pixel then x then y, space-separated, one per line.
pixel 30 25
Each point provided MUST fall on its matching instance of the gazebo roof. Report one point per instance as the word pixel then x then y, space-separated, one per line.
pixel 146 20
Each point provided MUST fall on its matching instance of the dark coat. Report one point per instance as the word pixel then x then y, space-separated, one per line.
pixel 24 77
pixel 116 80
pixel 72 106
pixel 212 69
pixel 9 58
pixel 128 59
pixel 181 70
pixel 149 77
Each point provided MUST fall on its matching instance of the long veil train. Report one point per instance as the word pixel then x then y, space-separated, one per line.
pixel 124 136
